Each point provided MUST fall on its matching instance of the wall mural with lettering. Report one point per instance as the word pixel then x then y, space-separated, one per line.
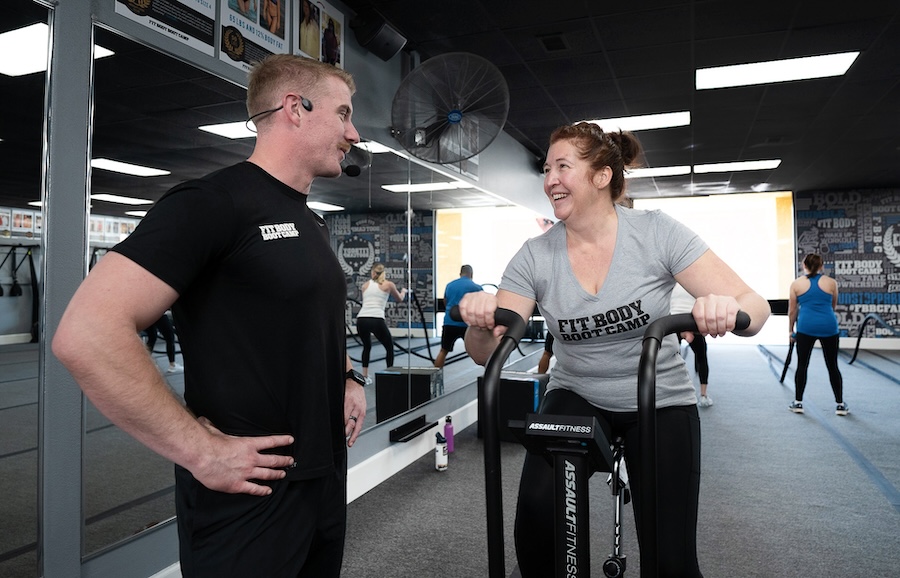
pixel 360 241
pixel 858 235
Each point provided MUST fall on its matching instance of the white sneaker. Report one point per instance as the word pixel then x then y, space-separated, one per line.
pixel 174 369
pixel 705 401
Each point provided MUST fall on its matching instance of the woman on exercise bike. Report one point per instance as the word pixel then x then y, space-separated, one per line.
pixel 599 276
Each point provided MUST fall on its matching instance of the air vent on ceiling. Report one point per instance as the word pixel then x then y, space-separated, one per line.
pixel 554 42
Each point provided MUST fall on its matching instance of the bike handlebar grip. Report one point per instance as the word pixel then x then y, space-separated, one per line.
pixel 685 322
pixel 515 325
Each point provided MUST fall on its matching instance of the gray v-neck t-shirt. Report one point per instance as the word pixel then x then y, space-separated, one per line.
pixel 598 337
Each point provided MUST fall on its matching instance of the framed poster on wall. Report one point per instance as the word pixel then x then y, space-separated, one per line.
pixel 252 30
pixel 191 22
pixel 318 31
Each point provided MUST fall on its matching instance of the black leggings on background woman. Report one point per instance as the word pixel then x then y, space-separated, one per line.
pixel 830 345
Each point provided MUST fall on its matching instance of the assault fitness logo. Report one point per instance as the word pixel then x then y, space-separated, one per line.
pixel 625 318
pixel 279 231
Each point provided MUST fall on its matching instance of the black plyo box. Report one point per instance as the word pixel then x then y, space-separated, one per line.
pixel 398 389
pixel 520 394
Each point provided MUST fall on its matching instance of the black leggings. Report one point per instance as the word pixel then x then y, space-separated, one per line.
pixel 701 363
pixel 830 352
pixel 164 326
pixel 678 472
pixel 368 326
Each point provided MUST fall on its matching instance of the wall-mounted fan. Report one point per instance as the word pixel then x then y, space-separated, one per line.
pixel 450 108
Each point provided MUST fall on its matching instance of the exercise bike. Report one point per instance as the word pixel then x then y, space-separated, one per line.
pixel 577 447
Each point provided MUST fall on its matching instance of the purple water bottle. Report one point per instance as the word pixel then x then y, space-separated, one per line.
pixel 448 434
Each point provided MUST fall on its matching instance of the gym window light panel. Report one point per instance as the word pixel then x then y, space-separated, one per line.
pixel 127 168
pixel 775 71
pixel 24 50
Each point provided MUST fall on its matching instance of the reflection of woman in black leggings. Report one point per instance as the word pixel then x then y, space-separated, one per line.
pixel 811 306
pixel 370 319
pixel 164 325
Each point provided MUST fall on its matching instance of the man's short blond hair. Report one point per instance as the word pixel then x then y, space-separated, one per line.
pixel 278 74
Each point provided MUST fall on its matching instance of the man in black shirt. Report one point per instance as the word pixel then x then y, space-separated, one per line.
pixel 260 449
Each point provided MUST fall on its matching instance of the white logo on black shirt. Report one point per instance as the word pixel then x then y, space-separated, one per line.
pixel 279 231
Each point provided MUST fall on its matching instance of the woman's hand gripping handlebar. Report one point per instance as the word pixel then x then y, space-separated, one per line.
pixel 515 325
pixel 682 322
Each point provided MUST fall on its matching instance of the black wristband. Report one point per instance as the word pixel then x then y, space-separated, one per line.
pixel 356 376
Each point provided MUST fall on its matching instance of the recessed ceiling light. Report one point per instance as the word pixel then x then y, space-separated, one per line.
pixel 737 166
pixel 425 187
pixel 24 50
pixel 373 147
pixel 120 200
pixel 140 214
pixel 127 168
pixel 775 71
pixel 233 130
pixel 644 121
pixel 657 172
pixel 317 206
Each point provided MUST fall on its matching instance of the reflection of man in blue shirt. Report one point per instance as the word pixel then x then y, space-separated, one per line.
pixel 454 330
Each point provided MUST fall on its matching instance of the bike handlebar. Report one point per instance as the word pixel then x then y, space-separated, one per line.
pixel 515 325
pixel 646 403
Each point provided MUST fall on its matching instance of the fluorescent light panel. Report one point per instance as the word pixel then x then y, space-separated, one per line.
pixel 373 147
pixel 658 172
pixel 737 166
pixel 644 122
pixel 425 187
pixel 234 130
pixel 317 206
pixel 24 50
pixel 775 71
pixel 120 200
pixel 140 214
pixel 127 168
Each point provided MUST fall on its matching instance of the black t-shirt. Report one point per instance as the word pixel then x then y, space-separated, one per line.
pixel 260 313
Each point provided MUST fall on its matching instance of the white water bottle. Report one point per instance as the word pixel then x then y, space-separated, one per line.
pixel 440 452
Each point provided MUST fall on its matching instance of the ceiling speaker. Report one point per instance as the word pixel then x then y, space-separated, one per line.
pixel 376 35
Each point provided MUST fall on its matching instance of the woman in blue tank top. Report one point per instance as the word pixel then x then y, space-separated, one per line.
pixel 813 297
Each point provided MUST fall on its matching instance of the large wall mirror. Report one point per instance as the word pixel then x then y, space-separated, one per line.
pixel 147 110
pixel 22 84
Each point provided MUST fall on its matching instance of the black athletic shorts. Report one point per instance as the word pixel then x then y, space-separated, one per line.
pixel 296 531
pixel 450 334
